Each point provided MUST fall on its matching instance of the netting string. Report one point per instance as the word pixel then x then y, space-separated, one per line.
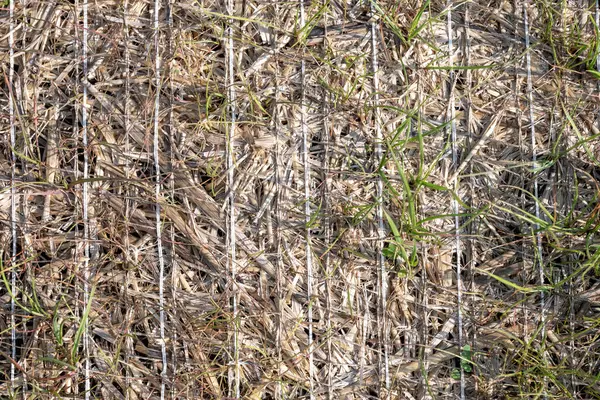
pixel 157 189
pixel 126 119
pixel 13 205
pixel 384 363
pixel 234 384
pixel 309 261
pixel 536 225
pixel 455 205
pixel 85 189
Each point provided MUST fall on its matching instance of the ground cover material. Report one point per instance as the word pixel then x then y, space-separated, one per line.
pixel 299 199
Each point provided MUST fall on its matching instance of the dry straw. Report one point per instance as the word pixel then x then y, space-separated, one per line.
pixel 206 199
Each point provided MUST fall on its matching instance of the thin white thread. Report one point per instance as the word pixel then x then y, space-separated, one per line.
pixel 172 188
pixel 157 188
pixel 231 259
pixel 469 112
pixel 76 172
pixel 13 205
pixel 86 227
pixel 309 261
pixel 381 227
pixel 455 206
pixel 278 219
pixel 533 152
pixel 536 225
pixel 327 223
pixel 126 119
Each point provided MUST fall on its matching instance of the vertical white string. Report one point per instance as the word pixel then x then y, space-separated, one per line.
pixel 455 206
pixel 231 259
pixel 309 261
pixel 384 363
pixel 157 189
pixel 75 129
pixel 126 119
pixel 278 220
pixel 13 205
pixel 471 253
pixel 538 236
pixel 86 227
pixel 327 223
pixel 534 155
pixel 172 141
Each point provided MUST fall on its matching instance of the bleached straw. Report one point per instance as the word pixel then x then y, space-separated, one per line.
pixel 13 205
pixel 384 361
pixel 234 387
pixel 157 189
pixel 536 226
pixel 86 201
pixel 455 206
